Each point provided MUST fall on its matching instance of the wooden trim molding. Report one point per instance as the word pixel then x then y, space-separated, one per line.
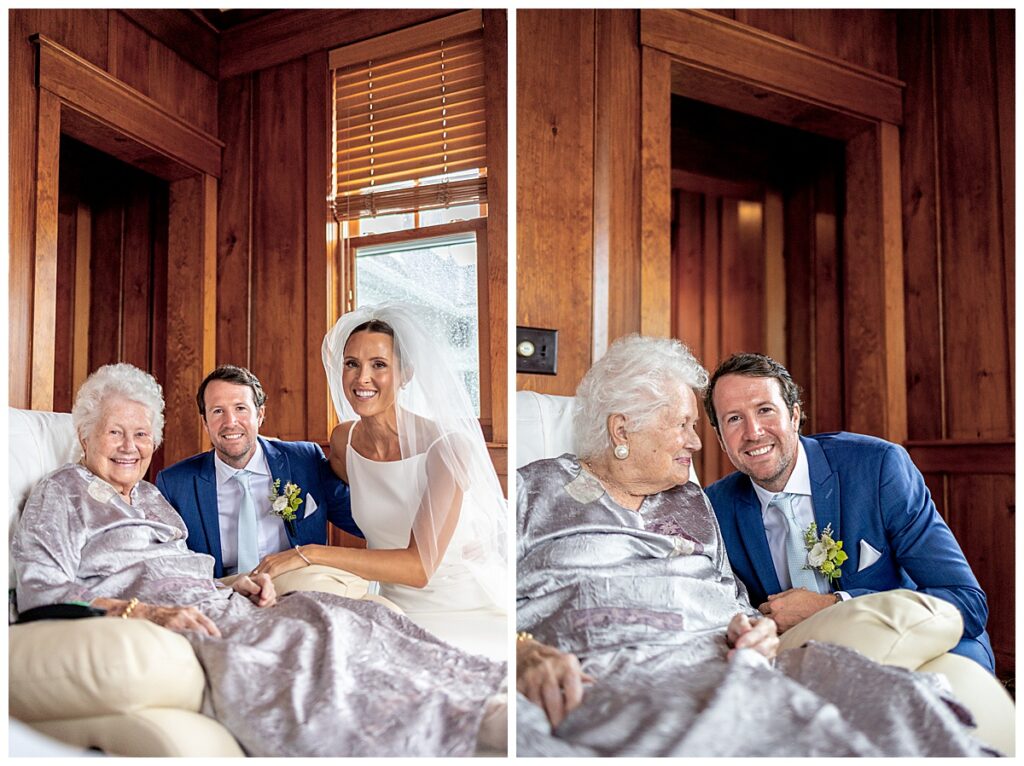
pixel 963 456
pixel 708 42
pixel 95 95
pixel 44 304
pixel 286 35
pixel 656 192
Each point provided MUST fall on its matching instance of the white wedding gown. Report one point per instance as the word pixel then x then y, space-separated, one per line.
pixel 453 605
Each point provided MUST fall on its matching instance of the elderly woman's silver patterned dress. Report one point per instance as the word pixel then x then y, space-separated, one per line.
pixel 643 598
pixel 316 674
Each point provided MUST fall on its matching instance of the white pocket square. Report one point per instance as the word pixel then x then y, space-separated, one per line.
pixel 310 505
pixel 868 556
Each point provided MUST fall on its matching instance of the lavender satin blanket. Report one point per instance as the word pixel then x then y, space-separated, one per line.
pixel 643 598
pixel 316 674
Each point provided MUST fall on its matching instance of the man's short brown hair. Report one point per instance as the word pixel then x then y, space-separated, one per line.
pixel 231 374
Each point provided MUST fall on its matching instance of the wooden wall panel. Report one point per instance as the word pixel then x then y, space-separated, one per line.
pixel 981 515
pixel 105 295
pixel 617 199
pixel 921 243
pixel 496 84
pixel 864 330
pixel 137 277
pixel 191 295
pixel 555 228
pixel 318 87
pixel 234 222
pixel 152 68
pixel 278 275
pixel 1003 55
pixel 863 37
pixel 656 189
pixel 975 295
pixel 958 250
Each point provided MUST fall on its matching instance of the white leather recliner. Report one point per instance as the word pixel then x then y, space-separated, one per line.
pixel 126 687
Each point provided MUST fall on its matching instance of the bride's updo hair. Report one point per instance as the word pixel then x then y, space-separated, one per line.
pixel 374 325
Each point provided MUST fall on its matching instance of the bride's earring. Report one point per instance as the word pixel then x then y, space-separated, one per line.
pixel 621 451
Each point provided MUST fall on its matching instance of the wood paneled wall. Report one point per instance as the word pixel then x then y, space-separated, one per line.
pixel 555 186
pixel 958 238
pixel 956 285
pixel 267 303
pixel 863 37
pixel 110 41
pixel 272 297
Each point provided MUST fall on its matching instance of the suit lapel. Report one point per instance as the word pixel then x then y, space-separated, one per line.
pixel 206 497
pixel 751 525
pixel 280 468
pixel 824 488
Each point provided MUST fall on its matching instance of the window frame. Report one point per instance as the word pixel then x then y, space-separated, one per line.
pixel 343 269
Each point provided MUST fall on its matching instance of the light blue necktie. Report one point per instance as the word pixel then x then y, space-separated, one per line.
pixel 796 551
pixel 248 535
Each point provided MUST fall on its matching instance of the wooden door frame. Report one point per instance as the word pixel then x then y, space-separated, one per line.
pixel 709 58
pixel 78 99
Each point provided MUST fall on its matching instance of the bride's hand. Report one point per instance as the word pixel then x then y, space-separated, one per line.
pixel 276 564
pixel 762 636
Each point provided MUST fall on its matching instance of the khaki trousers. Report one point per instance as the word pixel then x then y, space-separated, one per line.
pixel 914 631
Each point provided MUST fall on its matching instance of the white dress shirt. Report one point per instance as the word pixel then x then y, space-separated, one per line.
pixel 775 528
pixel 272 535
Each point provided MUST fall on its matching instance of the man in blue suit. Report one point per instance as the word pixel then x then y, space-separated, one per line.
pixel 224 495
pixel 866 489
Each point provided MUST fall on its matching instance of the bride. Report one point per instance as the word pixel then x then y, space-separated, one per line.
pixel 424 492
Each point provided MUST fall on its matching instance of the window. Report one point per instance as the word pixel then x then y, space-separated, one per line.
pixel 408 187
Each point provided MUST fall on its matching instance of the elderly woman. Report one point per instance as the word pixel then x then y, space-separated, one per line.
pixel 309 674
pixel 636 638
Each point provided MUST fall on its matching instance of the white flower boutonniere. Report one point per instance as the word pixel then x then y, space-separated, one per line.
pixel 823 553
pixel 286 503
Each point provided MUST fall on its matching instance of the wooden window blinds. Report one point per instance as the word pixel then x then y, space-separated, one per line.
pixel 409 113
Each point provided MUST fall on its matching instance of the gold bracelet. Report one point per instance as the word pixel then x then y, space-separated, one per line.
pixel 128 609
pixel 303 556
pixel 523 636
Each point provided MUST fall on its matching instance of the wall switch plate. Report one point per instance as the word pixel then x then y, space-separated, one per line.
pixel 536 350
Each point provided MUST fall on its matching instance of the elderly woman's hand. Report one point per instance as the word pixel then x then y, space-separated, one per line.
pixel 177 618
pixel 761 635
pixel 258 588
pixel 549 678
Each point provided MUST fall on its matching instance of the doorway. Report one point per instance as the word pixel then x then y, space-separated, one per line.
pixel 756 252
pixel 111 270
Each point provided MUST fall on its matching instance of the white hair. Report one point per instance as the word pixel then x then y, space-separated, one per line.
pixel 636 377
pixel 118 381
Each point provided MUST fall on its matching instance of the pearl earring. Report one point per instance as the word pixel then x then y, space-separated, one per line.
pixel 621 451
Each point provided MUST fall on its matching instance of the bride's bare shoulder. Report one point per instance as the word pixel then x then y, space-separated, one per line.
pixel 339 436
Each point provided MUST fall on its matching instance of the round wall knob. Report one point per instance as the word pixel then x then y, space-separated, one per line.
pixel 526 348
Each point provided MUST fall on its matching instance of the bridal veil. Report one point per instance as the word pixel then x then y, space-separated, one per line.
pixel 435 418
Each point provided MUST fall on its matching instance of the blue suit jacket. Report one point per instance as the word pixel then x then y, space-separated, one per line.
pixel 867 489
pixel 190 485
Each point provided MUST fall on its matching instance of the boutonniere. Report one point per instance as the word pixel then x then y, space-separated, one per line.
pixel 285 504
pixel 823 553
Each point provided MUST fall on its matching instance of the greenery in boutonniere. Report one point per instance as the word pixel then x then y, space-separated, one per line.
pixel 286 503
pixel 823 553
